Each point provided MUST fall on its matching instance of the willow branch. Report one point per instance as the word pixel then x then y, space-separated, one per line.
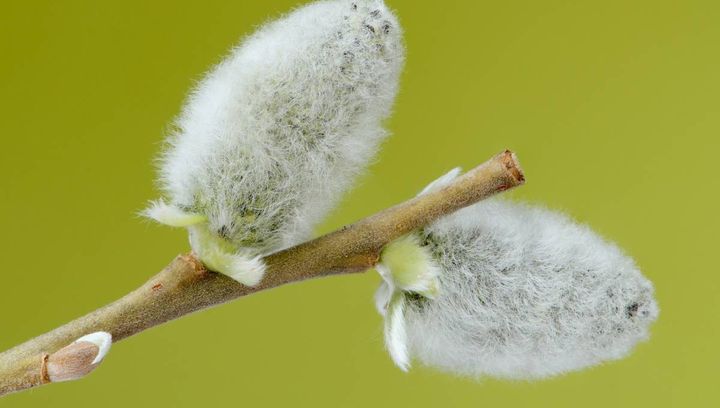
pixel 185 286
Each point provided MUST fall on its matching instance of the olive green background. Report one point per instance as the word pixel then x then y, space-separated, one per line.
pixel 612 106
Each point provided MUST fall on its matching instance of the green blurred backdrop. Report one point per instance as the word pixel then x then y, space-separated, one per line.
pixel 612 107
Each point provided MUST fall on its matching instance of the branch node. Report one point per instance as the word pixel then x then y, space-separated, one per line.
pixel 192 259
pixel 44 376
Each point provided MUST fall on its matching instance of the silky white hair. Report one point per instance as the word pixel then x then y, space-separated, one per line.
pixel 524 293
pixel 272 137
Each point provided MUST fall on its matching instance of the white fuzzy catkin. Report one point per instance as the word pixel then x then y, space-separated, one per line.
pixel 273 136
pixel 522 293
pixel 525 293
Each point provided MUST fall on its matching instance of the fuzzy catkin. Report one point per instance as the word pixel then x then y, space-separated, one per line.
pixel 274 134
pixel 525 293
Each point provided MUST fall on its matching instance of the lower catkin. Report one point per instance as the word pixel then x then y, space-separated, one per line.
pixel 525 293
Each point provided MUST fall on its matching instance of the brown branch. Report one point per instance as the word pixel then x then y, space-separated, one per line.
pixel 185 286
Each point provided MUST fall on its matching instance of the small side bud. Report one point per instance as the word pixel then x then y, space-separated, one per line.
pixel 77 359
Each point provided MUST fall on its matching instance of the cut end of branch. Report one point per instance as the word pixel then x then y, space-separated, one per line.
pixel 512 165
pixel 77 359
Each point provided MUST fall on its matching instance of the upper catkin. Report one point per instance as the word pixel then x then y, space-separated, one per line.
pixel 522 293
pixel 274 134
